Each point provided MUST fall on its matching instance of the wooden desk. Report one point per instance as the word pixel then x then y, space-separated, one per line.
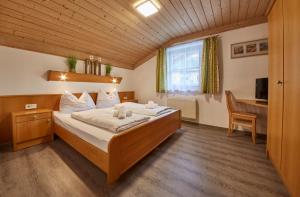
pixel 253 102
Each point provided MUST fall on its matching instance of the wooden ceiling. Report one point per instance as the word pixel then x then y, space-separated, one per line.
pixel 113 30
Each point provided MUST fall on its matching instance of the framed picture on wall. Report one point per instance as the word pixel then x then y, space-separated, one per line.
pixel 251 48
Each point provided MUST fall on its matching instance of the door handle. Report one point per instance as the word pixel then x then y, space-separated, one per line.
pixel 279 82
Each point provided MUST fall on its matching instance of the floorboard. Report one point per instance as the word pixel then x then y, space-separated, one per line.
pixel 196 161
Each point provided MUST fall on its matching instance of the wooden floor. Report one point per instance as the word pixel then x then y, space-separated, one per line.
pixel 196 161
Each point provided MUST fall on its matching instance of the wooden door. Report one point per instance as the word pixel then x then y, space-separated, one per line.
pixel 291 120
pixel 275 109
pixel 32 130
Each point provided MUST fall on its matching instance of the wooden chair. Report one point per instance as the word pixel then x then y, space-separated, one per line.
pixel 238 118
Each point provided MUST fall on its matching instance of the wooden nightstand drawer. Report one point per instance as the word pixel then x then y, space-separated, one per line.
pixel 31 127
pixel 129 100
pixel 32 117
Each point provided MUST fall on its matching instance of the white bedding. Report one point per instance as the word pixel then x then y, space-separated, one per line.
pixel 141 109
pixel 94 135
pixel 103 118
pixel 98 137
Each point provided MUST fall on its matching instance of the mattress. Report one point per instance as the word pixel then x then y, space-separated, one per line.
pixel 96 136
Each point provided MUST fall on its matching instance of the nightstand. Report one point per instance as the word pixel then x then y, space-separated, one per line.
pixel 31 127
pixel 127 96
pixel 129 100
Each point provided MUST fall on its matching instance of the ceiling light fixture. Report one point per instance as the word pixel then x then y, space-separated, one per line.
pixel 147 7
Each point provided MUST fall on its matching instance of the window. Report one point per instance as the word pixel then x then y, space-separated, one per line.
pixel 184 67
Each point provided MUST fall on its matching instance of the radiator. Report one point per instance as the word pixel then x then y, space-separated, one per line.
pixel 187 105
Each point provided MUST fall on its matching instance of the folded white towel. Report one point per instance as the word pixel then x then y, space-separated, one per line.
pixel 151 105
pixel 103 118
pixel 128 113
pixel 121 112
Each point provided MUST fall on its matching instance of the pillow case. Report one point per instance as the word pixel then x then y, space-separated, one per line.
pixel 86 97
pixel 105 100
pixel 70 103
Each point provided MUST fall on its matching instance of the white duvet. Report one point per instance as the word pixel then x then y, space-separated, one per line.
pixel 103 118
pixel 142 109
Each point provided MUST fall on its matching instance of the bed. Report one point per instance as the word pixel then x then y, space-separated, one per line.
pixel 115 153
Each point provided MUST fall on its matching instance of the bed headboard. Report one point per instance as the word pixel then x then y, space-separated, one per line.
pixel 15 103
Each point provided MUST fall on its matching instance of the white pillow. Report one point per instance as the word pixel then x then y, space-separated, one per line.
pixel 105 100
pixel 70 103
pixel 85 97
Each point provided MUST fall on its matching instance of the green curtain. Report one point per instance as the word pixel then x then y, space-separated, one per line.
pixel 210 69
pixel 161 71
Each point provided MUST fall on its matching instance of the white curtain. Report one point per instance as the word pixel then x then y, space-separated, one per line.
pixel 184 68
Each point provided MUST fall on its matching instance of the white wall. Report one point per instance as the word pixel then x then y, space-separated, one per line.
pixel 238 75
pixel 24 72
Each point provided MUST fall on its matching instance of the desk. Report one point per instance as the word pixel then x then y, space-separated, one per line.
pixel 253 102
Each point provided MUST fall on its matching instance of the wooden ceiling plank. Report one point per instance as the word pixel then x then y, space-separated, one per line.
pixel 244 7
pixel 44 11
pixel 35 14
pixel 63 13
pixel 90 18
pixel 234 7
pixel 124 25
pixel 137 19
pixel 225 6
pixel 165 11
pixel 28 44
pixel 200 13
pixel 19 25
pixel 262 8
pixel 160 17
pixel 175 14
pixel 189 8
pixel 171 20
pixel 113 9
pixel 44 37
pixel 68 30
pixel 153 23
pixel 202 34
pixel 184 15
pixel 253 6
pixel 269 8
pixel 217 11
pixel 208 13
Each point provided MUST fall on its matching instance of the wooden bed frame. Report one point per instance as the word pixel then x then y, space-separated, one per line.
pixel 126 148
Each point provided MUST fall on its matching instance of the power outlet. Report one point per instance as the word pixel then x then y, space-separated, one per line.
pixel 30 106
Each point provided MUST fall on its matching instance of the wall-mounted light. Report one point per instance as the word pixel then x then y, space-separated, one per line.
pixel 114 80
pixel 63 77
pixel 147 7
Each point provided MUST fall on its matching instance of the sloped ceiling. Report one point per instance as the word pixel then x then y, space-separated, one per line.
pixel 113 30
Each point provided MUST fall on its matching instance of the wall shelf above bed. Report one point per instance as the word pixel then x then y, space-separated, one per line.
pixel 80 77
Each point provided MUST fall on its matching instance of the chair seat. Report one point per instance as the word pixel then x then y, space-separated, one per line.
pixel 243 115
pixel 245 123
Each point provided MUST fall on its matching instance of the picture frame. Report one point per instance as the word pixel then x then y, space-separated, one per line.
pixel 250 48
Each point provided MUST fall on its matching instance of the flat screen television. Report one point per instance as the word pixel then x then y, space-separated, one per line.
pixel 261 90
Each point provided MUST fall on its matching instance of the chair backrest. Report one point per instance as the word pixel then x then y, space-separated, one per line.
pixel 230 101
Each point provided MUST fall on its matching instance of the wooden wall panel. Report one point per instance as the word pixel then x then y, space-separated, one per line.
pixel 275 90
pixel 291 123
pixel 10 104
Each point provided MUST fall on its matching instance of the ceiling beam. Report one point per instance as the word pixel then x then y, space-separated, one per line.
pixel 203 34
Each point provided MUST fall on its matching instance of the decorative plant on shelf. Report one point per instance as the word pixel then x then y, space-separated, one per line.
pixel 108 68
pixel 72 61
